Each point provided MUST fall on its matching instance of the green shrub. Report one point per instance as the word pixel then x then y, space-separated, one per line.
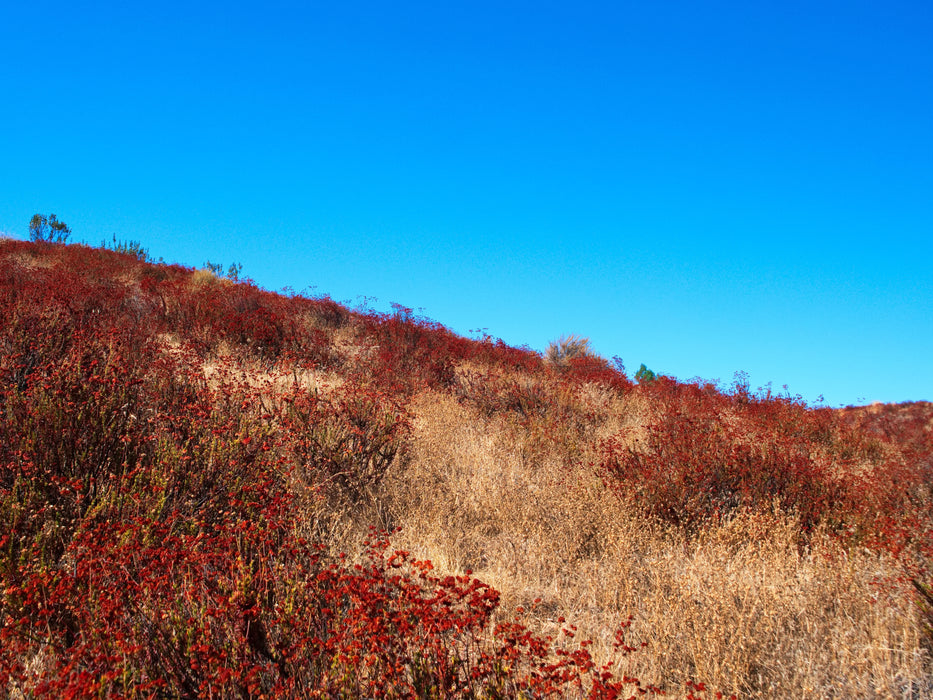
pixel 48 229
pixel 645 375
pixel 233 272
pixel 133 248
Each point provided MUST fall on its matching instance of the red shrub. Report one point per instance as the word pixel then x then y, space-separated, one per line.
pixel 695 464
pixel 347 440
pixel 150 546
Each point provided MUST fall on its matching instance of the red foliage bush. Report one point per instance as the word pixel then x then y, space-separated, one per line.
pixel 149 544
pixel 407 353
pixel 691 468
pixel 347 440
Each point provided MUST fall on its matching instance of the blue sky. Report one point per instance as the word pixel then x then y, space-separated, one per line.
pixel 702 187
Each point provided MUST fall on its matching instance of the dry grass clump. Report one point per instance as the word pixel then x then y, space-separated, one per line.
pixel 742 606
pixel 205 278
pixel 567 347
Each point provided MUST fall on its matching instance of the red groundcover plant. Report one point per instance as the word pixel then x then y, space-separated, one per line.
pixel 150 539
pixel 161 507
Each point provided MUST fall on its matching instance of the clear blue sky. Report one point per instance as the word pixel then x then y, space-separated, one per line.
pixel 702 187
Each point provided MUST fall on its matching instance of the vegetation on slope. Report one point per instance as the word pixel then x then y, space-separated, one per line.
pixel 212 490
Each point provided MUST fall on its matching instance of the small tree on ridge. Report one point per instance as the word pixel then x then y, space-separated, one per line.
pixel 48 230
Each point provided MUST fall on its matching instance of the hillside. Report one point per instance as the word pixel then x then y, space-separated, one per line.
pixel 210 490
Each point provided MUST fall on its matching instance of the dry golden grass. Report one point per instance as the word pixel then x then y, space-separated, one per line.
pixel 206 278
pixel 744 610
pixel 497 478
pixel 31 260
pixel 740 607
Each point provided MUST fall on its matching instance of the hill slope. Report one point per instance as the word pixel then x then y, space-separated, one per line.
pixel 210 489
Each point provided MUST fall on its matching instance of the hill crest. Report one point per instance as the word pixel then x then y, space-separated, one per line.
pixel 161 419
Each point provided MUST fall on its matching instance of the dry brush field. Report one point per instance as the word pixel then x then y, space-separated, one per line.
pixel 210 490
